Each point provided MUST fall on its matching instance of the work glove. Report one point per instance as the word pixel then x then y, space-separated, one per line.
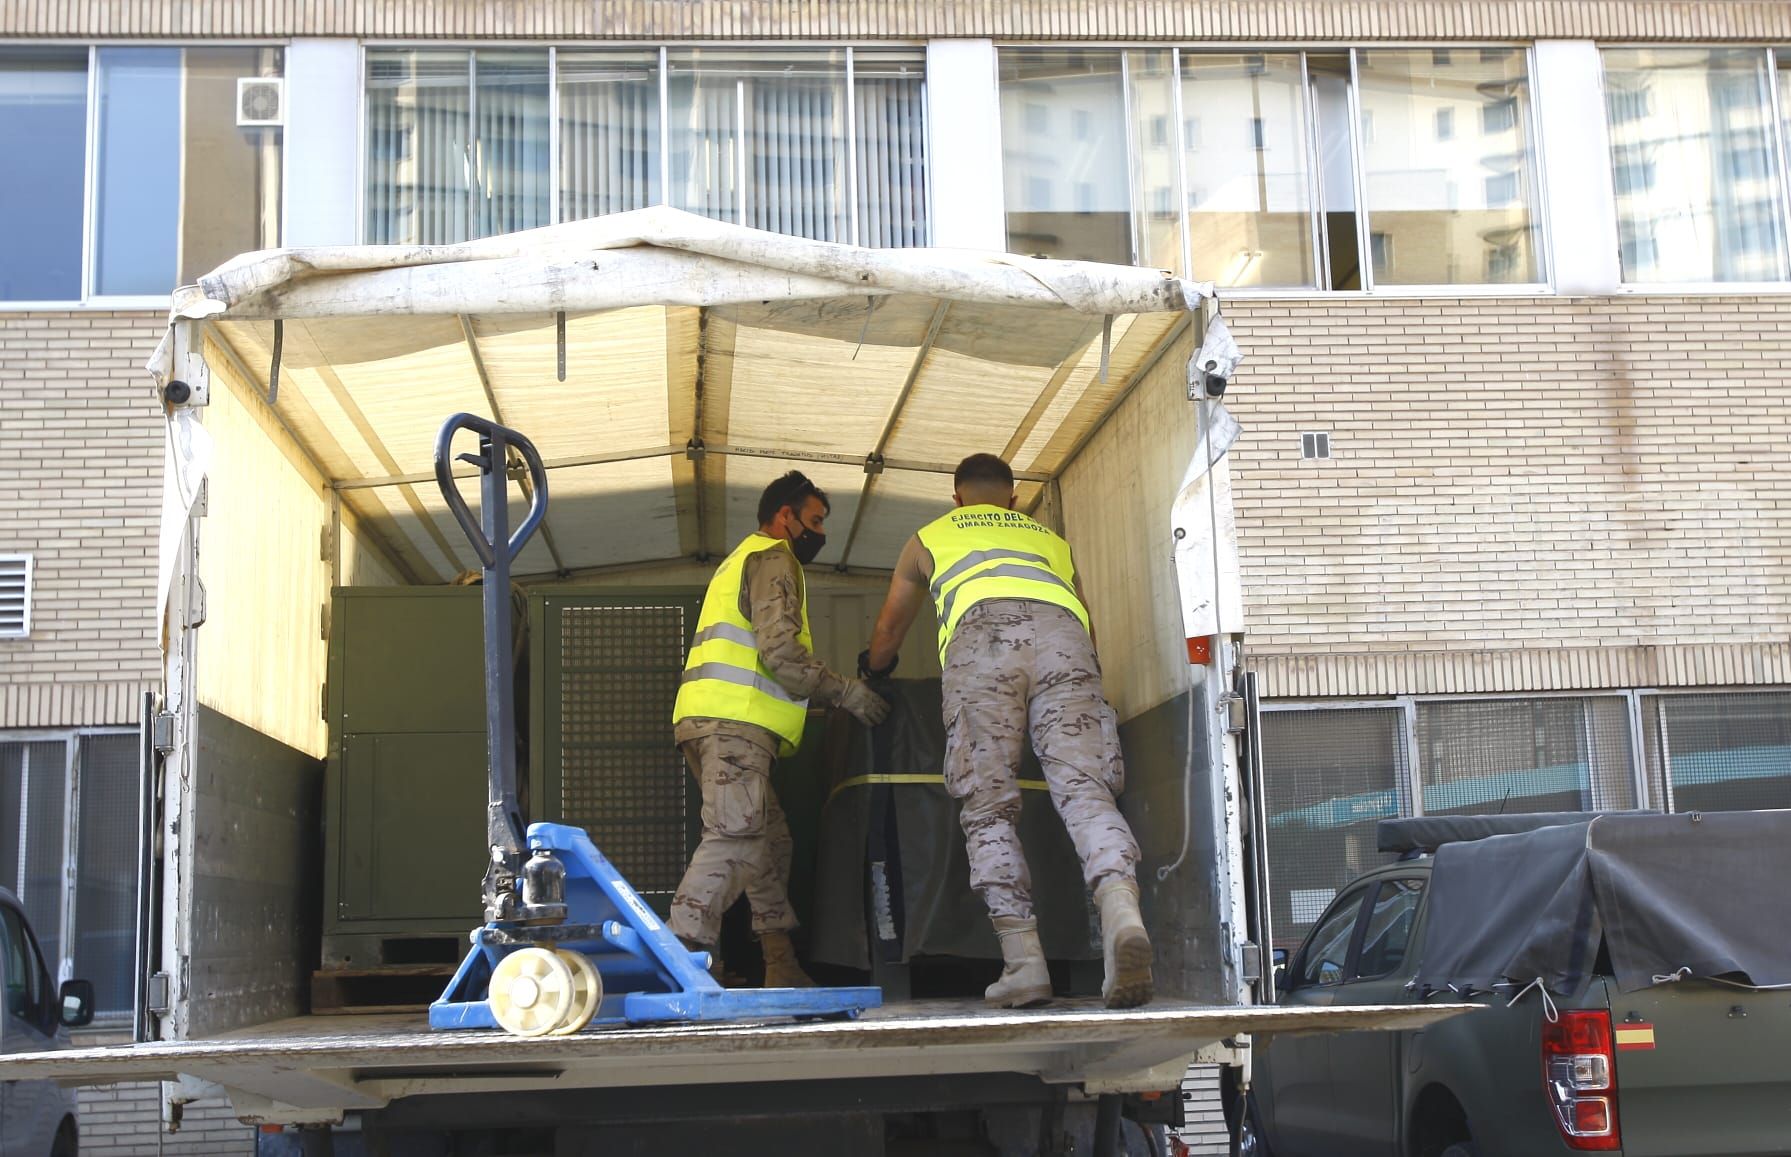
pixel 865 671
pixel 868 707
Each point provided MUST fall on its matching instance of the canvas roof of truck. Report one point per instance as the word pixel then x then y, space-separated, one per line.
pixel 680 334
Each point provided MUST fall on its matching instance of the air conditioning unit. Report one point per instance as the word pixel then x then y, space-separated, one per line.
pixel 260 102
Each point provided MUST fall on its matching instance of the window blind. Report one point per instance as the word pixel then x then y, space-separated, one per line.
pixel 609 134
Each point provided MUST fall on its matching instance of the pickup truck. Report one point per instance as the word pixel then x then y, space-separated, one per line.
pixel 1632 970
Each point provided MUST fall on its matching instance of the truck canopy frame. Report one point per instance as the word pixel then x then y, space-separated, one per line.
pixel 669 366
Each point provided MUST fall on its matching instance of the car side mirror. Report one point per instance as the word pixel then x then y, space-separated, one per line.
pixel 77 1003
pixel 1283 979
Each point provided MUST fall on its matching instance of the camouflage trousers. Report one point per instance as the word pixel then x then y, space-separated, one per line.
pixel 1014 669
pixel 746 842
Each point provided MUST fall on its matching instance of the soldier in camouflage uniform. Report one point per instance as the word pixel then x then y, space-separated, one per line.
pixel 1019 663
pixel 751 674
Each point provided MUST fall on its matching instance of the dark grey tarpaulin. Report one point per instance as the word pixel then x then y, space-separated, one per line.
pixel 1428 833
pixel 1663 893
pixel 889 824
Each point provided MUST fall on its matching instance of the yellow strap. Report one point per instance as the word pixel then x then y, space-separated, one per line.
pixel 937 780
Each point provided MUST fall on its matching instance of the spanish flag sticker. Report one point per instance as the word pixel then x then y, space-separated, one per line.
pixel 1635 1036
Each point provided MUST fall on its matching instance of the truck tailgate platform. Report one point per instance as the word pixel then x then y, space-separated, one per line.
pixel 334 1063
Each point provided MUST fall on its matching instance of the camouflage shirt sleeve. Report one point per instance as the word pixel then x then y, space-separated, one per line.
pixel 774 595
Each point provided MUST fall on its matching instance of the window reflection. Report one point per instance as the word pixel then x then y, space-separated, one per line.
pixel 1249 171
pixel 1288 176
pixel 1449 175
pixel 1694 164
pixel 179 187
pixel 43 116
pixel 1067 194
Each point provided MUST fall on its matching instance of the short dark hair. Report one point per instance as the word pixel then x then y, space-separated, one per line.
pixel 792 490
pixel 987 468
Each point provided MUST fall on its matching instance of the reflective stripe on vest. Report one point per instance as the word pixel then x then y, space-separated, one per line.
pixel 985 552
pixel 723 676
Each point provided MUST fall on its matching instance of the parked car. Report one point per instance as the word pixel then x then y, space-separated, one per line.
pixel 1632 969
pixel 36 1117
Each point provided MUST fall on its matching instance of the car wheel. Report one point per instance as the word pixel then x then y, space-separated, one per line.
pixel 1460 1149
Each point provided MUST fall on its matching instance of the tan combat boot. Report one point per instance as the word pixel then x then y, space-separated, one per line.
pixel 781 969
pixel 1125 948
pixel 1024 979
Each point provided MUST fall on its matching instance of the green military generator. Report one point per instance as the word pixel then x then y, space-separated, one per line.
pixel 405 782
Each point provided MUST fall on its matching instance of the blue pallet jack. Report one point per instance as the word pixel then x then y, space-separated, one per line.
pixel 566 942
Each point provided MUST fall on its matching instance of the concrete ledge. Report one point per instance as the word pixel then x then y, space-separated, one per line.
pixel 1357 674
pixel 1044 20
pixel 72 704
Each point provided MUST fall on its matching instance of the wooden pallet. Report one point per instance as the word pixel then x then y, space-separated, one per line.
pixel 406 988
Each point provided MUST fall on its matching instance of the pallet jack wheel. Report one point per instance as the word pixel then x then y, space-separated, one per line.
pixel 532 990
pixel 587 993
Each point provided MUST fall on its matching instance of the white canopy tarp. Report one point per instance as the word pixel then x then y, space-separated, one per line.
pixel 668 366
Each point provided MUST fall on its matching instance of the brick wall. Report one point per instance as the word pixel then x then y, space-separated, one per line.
pixel 1515 473
pixel 1508 475
pixel 80 490
pixel 125 1121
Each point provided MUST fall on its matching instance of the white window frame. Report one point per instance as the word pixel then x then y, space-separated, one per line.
pixel 89 184
pixel 24 631
pixel 1781 144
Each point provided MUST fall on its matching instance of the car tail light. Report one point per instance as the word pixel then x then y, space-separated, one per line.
pixel 1579 1077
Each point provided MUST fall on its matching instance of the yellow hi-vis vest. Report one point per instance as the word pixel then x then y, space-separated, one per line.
pixel 985 552
pixel 723 678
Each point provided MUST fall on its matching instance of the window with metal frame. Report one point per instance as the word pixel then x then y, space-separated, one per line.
pixel 828 144
pixel 1718 751
pixel 1316 159
pixel 111 206
pixel 1331 771
pixel 1444 205
pixel 43 115
pixel 68 850
pixel 1068 192
pixel 1698 161
pixel 1525 754
pixel 1329 774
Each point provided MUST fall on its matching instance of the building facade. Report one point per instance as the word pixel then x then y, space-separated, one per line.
pixel 1514 282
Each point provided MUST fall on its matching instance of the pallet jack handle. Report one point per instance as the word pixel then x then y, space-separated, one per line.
pixel 497 547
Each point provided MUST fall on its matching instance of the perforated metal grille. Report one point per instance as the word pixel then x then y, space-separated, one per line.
pixel 1719 752
pixel 621 778
pixel 1486 756
pixel 106 868
pixel 1328 777
pixel 33 795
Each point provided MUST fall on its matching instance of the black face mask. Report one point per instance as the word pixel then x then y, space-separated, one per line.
pixel 807 545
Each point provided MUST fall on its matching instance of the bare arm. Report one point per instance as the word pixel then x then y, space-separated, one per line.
pixel 774 592
pixel 907 594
